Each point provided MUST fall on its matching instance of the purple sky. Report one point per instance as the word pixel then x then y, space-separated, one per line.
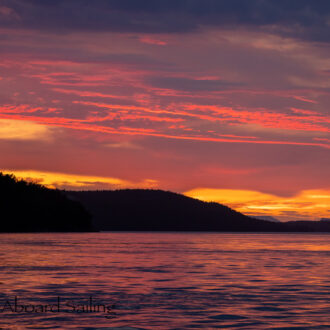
pixel 192 96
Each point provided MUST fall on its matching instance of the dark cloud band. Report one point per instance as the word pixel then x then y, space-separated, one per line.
pixel 304 19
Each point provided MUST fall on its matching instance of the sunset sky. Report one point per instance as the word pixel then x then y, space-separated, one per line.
pixel 224 101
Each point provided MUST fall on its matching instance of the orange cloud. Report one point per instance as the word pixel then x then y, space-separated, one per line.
pixel 308 204
pixel 85 124
pixel 78 182
pixel 11 129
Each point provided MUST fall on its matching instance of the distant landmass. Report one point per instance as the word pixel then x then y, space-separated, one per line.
pixel 30 207
pixel 266 217
pixel 157 210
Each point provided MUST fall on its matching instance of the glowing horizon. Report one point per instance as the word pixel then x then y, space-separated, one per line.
pixel 312 204
pixel 306 205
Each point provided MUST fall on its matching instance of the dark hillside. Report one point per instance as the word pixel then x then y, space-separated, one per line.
pixel 157 210
pixel 30 207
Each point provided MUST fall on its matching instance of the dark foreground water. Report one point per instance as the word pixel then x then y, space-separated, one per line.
pixel 164 281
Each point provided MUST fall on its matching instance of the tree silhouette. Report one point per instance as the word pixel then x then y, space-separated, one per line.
pixel 31 207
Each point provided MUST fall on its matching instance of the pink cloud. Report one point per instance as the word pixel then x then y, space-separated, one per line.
pixel 152 41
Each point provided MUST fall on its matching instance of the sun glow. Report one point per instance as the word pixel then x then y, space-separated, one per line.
pixel 78 182
pixel 307 205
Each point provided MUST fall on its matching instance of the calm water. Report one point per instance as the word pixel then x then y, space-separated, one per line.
pixel 165 281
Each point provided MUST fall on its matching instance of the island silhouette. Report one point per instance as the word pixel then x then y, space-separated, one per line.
pixel 158 210
pixel 31 207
